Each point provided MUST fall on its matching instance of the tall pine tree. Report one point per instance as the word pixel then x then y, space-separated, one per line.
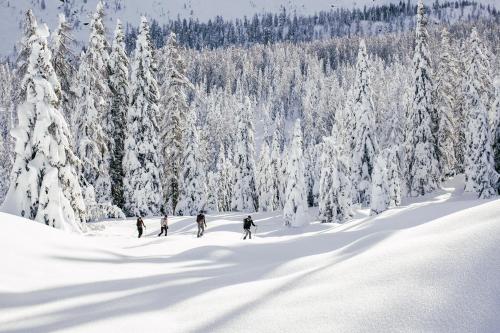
pixel 245 193
pixel 92 141
pixel 480 174
pixel 265 183
pixel 335 188
pixel 192 186
pixel 420 145
pixel 142 184
pixel 295 210
pixel 365 145
pixel 119 87
pixel 172 120
pixel 447 86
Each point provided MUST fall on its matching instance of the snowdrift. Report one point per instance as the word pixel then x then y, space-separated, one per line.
pixel 430 265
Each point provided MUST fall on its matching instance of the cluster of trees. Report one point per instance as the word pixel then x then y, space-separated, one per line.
pixel 288 26
pixel 179 130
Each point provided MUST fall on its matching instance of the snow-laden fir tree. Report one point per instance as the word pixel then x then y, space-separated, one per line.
pixel 6 125
pixel 5 167
pixel 283 177
pixel 142 184
pixel 420 143
pixel 480 174
pixel 92 141
pixel 334 189
pixel 447 86
pixel 496 127
pixel 119 87
pixel 265 182
pixel 63 60
pixel 174 107
pixel 244 191
pixel 45 183
pixel 225 176
pixel 25 47
pixel 192 185
pixel 295 209
pixel 213 191
pixel 380 200
pixel 276 173
pixel 365 146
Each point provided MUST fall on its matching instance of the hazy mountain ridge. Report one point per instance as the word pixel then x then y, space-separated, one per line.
pixel 192 18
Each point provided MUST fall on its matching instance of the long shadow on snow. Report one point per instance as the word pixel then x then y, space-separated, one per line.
pixel 248 262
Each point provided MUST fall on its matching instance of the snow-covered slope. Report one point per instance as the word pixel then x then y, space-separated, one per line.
pixel 431 265
pixel 79 12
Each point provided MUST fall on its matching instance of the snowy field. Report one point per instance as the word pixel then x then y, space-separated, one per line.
pixel 431 265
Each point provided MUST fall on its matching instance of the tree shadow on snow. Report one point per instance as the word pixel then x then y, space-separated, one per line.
pixel 209 268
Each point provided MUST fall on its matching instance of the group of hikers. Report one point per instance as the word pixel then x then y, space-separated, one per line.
pixel 200 221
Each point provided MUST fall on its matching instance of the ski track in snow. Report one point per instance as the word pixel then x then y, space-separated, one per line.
pixel 430 265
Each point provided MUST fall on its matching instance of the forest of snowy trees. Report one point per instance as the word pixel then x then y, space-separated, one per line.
pixel 277 126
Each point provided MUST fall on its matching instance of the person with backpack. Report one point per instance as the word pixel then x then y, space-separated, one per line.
pixel 164 225
pixel 200 220
pixel 247 224
pixel 140 226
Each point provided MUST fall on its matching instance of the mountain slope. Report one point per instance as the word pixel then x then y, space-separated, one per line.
pixel 79 13
pixel 429 265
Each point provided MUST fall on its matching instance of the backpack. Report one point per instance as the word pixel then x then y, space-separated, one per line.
pixel 247 223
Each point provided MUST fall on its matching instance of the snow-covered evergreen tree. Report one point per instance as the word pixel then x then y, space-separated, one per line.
pixel 192 185
pixel 213 191
pixel 45 183
pixel 334 191
pixel 365 145
pixel 92 141
pixel 394 174
pixel 25 47
pixel 295 209
pixel 174 108
pixel 6 125
pixel 283 177
pixel 119 87
pixel 5 167
pixel 447 86
pixel 380 200
pixel 496 128
pixel 225 176
pixel 63 60
pixel 245 193
pixel 142 184
pixel 420 145
pixel 265 182
pixel 276 173
pixel 480 174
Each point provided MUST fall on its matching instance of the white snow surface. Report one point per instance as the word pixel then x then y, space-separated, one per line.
pixel 431 265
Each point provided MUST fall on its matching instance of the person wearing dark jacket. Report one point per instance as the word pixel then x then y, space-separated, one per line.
pixel 140 226
pixel 200 220
pixel 247 224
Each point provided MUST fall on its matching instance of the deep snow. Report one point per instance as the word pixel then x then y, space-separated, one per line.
pixel 430 265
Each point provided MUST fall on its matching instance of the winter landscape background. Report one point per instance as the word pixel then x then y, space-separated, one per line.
pixel 364 139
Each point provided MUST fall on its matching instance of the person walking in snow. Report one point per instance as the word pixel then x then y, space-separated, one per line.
pixel 140 226
pixel 200 220
pixel 164 225
pixel 247 224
